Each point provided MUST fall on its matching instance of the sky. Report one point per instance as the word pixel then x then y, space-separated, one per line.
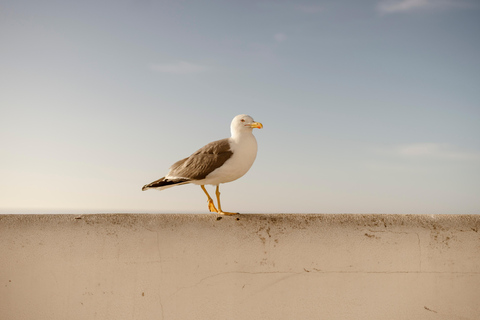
pixel 367 106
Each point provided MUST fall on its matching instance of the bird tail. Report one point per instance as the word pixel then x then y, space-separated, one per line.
pixel 164 183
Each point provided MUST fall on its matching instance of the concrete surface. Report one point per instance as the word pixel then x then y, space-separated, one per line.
pixel 241 267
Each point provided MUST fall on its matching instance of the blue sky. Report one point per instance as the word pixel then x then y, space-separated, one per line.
pixel 367 106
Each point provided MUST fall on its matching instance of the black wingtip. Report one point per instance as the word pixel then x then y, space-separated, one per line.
pixel 163 183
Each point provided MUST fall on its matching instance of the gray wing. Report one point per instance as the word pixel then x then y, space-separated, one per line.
pixel 203 161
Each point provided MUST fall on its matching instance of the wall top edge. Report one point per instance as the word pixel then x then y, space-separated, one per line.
pixel 467 222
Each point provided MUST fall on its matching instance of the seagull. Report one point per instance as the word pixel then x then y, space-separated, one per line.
pixel 218 162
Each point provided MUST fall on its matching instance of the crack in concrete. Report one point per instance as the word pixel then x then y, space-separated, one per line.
pixel 430 309
pixel 232 272
pixel 419 252
pixel 161 307
pixel 314 271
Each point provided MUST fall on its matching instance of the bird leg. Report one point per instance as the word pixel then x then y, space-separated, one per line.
pixel 217 192
pixel 211 206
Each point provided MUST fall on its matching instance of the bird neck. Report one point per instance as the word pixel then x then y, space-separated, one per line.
pixel 240 136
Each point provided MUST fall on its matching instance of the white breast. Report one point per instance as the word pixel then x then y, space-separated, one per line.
pixel 244 151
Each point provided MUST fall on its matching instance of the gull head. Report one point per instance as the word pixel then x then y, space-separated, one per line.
pixel 243 123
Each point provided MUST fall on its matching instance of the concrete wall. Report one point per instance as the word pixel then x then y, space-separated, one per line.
pixel 240 267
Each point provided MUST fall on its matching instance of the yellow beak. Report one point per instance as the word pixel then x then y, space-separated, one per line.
pixel 257 125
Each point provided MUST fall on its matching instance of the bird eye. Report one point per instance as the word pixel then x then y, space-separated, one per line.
pixel 243 120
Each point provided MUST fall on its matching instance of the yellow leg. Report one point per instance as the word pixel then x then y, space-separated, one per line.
pixel 217 192
pixel 211 206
